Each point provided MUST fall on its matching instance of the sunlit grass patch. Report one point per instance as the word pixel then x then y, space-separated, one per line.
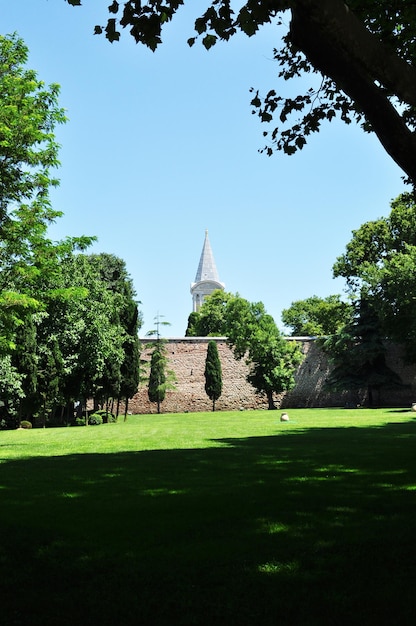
pixel 274 567
pixel 271 528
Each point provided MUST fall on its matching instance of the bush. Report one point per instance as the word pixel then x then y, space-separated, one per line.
pixel 79 421
pixel 108 418
pixel 95 419
pixel 25 424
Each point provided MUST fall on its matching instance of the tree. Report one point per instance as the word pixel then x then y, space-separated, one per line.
pixel 160 378
pixel 28 152
pixel 157 377
pixel 213 373
pixel 210 321
pixel 363 51
pixel 49 377
pixel 192 327
pixel 29 261
pixel 130 367
pixel 25 360
pixel 29 113
pixel 317 316
pixel 121 379
pixel 98 343
pixel 254 336
pixel 11 392
pixel 380 265
pixel 62 345
pixel 358 355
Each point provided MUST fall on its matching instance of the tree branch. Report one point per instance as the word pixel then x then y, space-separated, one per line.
pixel 334 55
pixel 347 32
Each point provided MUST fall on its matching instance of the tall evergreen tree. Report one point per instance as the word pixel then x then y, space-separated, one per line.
pixel 160 378
pixel 130 367
pixel 157 378
pixel 358 355
pixel 25 359
pixel 213 373
pixel 49 376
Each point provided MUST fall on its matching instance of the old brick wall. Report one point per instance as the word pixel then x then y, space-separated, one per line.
pixel 187 359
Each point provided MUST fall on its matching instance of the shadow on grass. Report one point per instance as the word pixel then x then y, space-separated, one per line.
pixel 308 528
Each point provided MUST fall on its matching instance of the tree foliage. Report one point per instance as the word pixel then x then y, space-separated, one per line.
pixel 358 355
pixel 160 377
pixel 213 373
pixel 209 321
pixel 67 320
pixel 317 316
pixel 253 336
pixel 28 115
pixel 29 261
pixel 379 264
pixel 157 377
pixel 362 52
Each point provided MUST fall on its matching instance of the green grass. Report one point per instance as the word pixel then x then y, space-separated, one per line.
pixel 212 518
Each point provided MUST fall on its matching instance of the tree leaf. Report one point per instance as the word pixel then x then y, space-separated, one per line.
pixel 209 41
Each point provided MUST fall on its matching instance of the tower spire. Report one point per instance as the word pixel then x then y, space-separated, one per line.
pixel 207 270
pixel 206 279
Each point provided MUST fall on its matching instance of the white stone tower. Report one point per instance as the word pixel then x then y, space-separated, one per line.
pixel 206 279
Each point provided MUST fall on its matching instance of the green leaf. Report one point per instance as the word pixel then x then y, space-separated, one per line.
pixel 209 41
pixel 200 25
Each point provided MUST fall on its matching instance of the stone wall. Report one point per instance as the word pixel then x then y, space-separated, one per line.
pixel 186 357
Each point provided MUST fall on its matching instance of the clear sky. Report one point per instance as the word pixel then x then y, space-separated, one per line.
pixel 161 146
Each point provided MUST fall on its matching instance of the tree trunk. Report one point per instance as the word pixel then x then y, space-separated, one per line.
pixel 339 45
pixel 272 406
pixel 370 396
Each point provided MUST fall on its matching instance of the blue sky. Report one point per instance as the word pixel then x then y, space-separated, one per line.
pixel 161 146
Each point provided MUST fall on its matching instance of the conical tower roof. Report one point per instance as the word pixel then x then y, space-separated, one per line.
pixel 207 270
pixel 206 279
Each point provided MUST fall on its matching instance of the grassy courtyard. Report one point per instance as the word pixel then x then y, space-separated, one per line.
pixel 212 518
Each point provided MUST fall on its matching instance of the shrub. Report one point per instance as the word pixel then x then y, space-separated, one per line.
pixel 25 424
pixel 108 418
pixel 95 419
pixel 79 421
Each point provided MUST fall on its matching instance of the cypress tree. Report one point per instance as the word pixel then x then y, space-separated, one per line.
pixel 213 373
pixel 157 378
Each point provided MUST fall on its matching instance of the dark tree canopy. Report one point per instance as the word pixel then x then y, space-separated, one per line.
pixel 363 50
pixel 358 355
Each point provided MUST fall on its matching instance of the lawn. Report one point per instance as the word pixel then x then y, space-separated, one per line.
pixel 212 518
